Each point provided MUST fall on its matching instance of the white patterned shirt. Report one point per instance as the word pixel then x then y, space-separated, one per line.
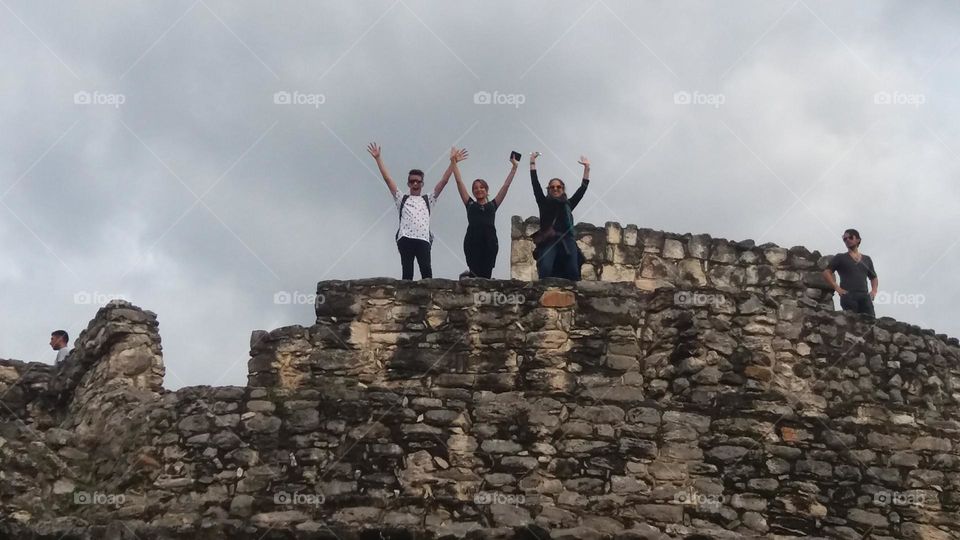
pixel 415 220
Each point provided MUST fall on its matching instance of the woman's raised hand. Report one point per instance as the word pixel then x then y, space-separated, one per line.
pixel 533 157
pixel 458 155
pixel 374 150
pixel 586 167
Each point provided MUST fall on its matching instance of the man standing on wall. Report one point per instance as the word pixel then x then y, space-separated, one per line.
pixel 413 236
pixel 59 339
pixel 855 269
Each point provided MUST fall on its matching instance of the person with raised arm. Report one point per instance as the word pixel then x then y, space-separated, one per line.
pixel 556 250
pixel 480 245
pixel 413 236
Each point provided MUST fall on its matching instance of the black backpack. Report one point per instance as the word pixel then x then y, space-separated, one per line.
pixel 403 203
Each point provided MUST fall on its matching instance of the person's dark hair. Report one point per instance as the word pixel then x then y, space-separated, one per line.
pixel 415 172
pixel 854 233
pixel 483 182
pixel 562 197
pixel 61 334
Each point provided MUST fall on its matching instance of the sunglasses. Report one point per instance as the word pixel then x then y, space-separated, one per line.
pixel 555 187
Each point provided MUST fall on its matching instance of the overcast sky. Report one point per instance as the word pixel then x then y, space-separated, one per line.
pixel 145 153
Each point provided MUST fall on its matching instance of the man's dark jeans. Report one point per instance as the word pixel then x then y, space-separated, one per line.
pixel 411 248
pixel 858 302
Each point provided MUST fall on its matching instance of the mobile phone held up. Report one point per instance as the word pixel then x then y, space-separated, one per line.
pixel 515 155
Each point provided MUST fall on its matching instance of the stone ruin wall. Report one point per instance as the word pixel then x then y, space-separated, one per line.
pixel 497 409
pixel 652 259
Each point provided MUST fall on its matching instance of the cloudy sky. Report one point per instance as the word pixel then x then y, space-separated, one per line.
pixel 145 153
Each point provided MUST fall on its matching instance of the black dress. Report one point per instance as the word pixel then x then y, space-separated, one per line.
pixel 480 243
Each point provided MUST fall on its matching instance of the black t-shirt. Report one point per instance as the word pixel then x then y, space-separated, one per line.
pixel 481 218
pixel 853 274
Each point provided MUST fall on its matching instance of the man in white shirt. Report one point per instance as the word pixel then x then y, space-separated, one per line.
pixel 59 340
pixel 413 235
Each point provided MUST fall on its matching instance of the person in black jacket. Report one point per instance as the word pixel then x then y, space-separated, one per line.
pixel 556 252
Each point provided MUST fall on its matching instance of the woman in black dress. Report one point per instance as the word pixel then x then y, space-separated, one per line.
pixel 480 243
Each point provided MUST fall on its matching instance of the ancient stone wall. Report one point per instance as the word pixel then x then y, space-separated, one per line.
pixel 507 409
pixel 653 259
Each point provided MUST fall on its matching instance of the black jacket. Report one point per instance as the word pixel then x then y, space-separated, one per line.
pixel 552 209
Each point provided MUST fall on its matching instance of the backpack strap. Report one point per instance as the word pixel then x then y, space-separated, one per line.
pixel 403 202
pixel 426 201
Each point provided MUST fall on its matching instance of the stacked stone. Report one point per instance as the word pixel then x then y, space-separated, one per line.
pixel 79 432
pixel 610 398
pixel 23 386
pixel 512 409
pixel 653 259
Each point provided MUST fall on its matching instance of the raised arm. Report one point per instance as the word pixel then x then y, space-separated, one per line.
pixel 537 190
pixel 575 199
pixel 374 150
pixel 454 158
pixel 460 156
pixel 506 183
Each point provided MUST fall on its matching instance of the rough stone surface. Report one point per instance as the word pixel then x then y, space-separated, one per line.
pixel 499 409
pixel 656 259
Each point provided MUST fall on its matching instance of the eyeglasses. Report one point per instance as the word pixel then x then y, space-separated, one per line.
pixel 555 187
